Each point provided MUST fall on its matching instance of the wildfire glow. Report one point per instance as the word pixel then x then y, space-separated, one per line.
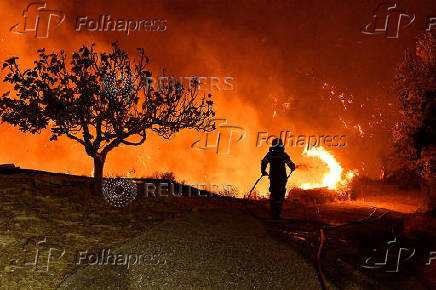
pixel 333 178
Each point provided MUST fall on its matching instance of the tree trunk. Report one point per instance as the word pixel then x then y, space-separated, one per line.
pixel 98 174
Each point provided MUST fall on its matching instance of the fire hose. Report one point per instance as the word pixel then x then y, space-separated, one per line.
pixel 254 186
pixel 321 275
pixel 304 166
pixel 257 181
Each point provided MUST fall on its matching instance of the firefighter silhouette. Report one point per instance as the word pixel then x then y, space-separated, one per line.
pixel 277 160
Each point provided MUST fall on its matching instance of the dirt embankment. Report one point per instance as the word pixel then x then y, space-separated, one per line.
pixel 220 241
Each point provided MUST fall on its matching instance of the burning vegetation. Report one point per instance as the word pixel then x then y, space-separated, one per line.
pixel 186 152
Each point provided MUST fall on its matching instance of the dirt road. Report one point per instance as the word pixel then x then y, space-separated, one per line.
pixel 211 250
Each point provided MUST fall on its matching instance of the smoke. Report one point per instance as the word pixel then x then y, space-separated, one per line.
pixel 285 57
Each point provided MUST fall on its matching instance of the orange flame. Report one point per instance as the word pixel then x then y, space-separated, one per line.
pixel 333 179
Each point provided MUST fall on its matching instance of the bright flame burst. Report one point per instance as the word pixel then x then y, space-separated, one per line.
pixel 333 179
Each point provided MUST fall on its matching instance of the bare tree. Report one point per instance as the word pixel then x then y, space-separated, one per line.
pixel 100 100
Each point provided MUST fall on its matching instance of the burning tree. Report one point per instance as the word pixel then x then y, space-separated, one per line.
pixel 415 132
pixel 100 100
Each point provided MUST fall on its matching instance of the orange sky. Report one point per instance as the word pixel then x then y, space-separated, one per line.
pixel 277 52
